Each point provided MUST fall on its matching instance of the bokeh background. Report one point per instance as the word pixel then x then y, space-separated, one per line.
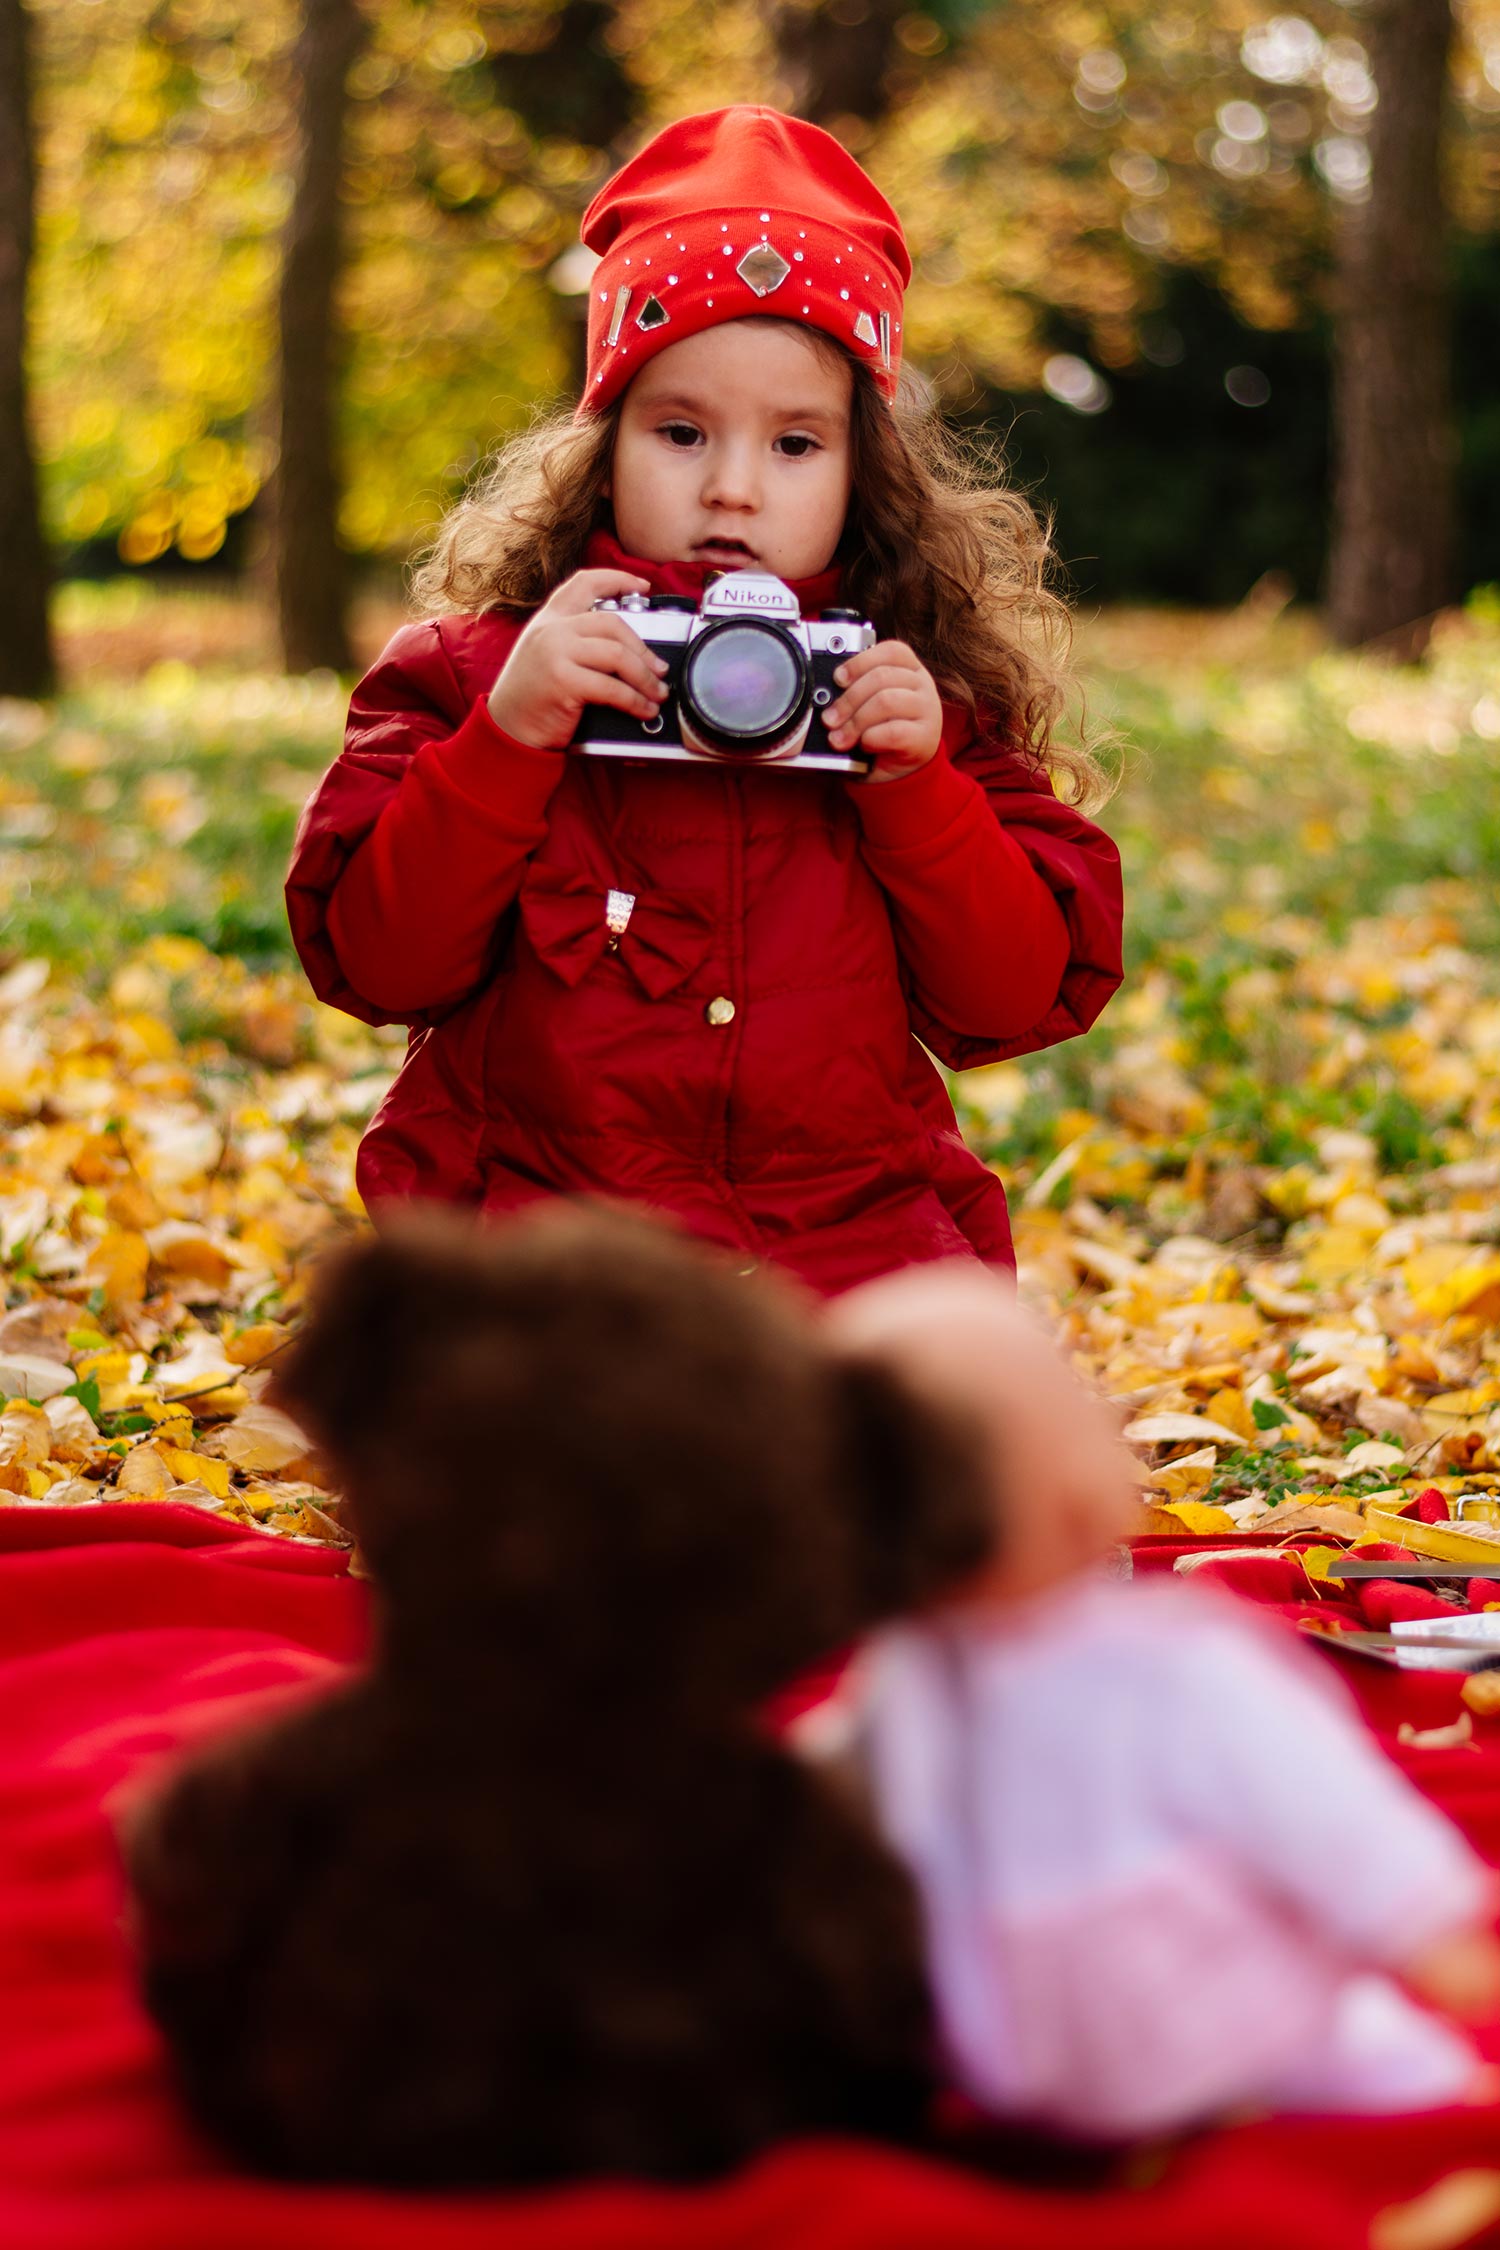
pixel 1224 278
pixel 1125 221
pixel 1135 229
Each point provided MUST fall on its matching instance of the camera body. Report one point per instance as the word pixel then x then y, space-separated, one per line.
pixel 748 678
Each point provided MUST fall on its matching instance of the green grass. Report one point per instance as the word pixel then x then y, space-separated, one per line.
pixel 1283 805
pixel 1303 834
pixel 163 806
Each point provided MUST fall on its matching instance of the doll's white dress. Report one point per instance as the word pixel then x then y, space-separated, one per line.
pixel 1163 1867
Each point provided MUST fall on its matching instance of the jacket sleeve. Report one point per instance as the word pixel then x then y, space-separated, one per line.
pixel 1007 903
pixel 413 845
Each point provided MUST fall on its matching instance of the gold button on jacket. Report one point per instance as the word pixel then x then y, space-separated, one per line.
pixel 720 1011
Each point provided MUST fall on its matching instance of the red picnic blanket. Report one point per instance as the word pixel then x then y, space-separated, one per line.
pixel 126 1627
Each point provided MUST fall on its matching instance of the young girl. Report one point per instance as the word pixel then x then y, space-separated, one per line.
pixel 1165 1870
pixel 709 988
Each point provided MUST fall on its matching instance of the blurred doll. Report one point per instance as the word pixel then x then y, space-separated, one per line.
pixel 1165 1870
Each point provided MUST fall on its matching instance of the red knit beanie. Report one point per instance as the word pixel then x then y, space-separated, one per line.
pixel 734 212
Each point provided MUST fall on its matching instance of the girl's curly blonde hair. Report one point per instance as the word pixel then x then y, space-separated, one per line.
pixel 936 551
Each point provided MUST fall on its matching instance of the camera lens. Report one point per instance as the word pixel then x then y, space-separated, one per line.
pixel 744 686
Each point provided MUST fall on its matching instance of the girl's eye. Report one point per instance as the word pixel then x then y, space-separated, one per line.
pixel 805 445
pixel 680 434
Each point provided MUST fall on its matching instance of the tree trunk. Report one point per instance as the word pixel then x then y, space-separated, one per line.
pixel 310 565
pixel 1391 561
pixel 838 59
pixel 26 660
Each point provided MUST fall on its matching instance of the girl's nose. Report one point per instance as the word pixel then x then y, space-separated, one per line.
pixel 729 478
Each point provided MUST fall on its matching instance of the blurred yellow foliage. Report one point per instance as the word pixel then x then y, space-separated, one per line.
pixel 1045 160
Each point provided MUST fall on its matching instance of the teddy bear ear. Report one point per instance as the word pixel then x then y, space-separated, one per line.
pixel 918 1494
pixel 379 1310
pixel 346 1351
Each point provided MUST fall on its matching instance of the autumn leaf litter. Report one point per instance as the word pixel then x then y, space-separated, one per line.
pixel 1262 1199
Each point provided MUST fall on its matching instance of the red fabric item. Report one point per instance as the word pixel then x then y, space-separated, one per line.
pixel 1429 1506
pixel 126 1630
pixel 664 941
pixel 674 226
pixel 1387 1697
pixel 1262 1577
pixel 1383 1600
pixel 932 842
pixel 447 875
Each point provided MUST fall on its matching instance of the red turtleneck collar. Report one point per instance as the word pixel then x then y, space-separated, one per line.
pixel 604 552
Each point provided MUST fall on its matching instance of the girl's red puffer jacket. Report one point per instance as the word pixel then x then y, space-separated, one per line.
pixel 745 1056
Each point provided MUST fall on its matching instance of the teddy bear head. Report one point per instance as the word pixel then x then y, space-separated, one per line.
pixel 579 1443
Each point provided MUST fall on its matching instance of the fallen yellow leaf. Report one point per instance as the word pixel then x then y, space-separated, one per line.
pixel 1187 1477
pixel 144 1474
pixel 1180 1429
pixel 260 1440
pixel 196 1468
pixel 117 1266
pixel 1335 1252
pixel 1228 1407
pixel 186 1253
pixel 25 1435
pixel 1447 1278
pixel 255 1343
pixel 1195 1516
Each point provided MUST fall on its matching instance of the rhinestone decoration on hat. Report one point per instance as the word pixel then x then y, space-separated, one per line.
pixel 763 269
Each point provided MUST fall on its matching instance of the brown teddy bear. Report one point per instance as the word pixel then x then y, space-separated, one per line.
pixel 538 1894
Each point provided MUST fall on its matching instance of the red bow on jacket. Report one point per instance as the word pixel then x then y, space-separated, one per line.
pixel 571 920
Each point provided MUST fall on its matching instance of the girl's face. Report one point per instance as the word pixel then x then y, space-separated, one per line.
pixel 732 448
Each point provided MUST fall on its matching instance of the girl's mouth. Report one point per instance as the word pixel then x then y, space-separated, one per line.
pixel 717 550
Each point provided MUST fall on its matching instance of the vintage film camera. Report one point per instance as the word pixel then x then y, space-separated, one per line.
pixel 747 678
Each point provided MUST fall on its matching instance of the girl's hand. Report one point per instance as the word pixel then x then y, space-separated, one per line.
pixel 571 654
pixel 890 707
